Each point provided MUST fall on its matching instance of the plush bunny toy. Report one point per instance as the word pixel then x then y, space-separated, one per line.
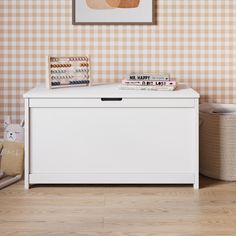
pixel 11 153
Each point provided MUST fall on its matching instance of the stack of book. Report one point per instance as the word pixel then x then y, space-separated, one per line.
pixel 159 82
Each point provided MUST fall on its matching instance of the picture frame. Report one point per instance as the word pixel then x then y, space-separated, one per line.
pixel 113 12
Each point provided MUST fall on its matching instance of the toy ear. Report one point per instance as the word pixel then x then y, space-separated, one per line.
pixel 22 123
pixel 7 121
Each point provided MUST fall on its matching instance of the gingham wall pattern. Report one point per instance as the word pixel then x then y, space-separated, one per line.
pixel 195 40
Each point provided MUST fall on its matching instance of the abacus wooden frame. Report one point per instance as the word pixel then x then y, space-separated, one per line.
pixel 48 71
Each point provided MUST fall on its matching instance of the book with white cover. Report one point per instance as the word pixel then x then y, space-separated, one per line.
pixel 149 76
pixel 149 83
pixel 154 88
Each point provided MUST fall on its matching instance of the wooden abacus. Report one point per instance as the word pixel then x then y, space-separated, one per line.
pixel 69 71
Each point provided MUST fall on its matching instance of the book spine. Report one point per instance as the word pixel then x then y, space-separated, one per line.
pixel 149 83
pixel 154 88
pixel 164 77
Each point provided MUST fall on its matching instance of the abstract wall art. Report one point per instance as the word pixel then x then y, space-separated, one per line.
pixel 113 12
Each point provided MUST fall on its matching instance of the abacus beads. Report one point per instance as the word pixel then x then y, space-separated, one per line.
pixel 78 59
pixel 55 59
pixel 84 64
pixel 60 65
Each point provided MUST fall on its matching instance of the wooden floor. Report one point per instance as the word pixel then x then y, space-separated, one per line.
pixel 119 210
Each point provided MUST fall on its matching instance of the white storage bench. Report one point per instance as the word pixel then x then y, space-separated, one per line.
pixel 105 135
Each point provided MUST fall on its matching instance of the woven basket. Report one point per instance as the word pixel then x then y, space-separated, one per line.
pixel 218 141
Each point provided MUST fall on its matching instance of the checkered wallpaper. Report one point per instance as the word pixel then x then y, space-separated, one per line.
pixel 195 40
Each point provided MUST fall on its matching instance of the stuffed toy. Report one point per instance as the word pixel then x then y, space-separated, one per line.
pixel 11 153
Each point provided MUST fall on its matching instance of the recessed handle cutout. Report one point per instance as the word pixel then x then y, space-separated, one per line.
pixel 111 99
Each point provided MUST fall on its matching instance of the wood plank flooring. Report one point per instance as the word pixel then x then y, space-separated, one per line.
pixel 105 210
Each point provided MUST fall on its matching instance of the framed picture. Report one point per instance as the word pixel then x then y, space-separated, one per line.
pixel 113 12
